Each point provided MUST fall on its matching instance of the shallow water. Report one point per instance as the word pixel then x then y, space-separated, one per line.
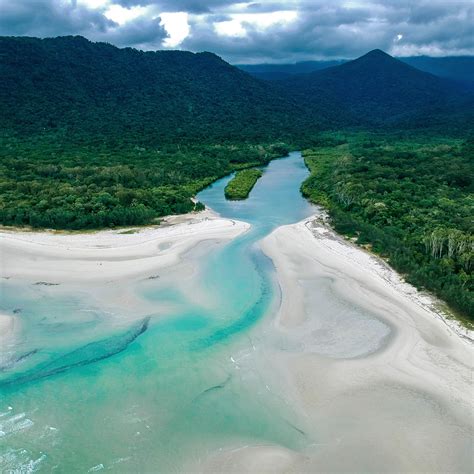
pixel 88 386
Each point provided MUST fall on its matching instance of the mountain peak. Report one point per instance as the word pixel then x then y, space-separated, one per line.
pixel 378 60
pixel 376 54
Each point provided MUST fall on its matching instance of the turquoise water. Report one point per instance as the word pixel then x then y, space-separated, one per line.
pixel 79 394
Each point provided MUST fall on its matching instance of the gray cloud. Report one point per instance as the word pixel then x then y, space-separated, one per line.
pixel 47 18
pixel 322 28
pixel 142 33
pixel 333 30
pixel 191 6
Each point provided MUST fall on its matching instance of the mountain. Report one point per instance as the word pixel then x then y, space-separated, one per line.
pixel 70 85
pixel 95 136
pixel 73 89
pixel 457 68
pixel 272 72
pixel 377 89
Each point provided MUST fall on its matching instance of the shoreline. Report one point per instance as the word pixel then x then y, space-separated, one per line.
pixel 414 381
pixel 396 377
pixel 308 253
pixel 320 227
pixel 53 258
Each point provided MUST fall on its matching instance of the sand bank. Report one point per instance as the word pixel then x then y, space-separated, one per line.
pixel 377 380
pixel 114 273
pixel 54 258
pixel 409 396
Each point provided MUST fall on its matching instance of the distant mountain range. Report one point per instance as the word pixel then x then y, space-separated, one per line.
pixel 77 88
pixel 459 68
pixel 377 89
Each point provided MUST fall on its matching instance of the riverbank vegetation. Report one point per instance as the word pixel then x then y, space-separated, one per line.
pixel 48 184
pixel 409 199
pixel 241 184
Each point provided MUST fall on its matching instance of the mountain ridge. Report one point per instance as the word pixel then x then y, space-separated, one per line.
pixel 375 89
pixel 457 68
pixel 69 86
pixel 71 83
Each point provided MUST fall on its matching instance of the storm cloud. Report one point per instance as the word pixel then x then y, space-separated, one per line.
pixel 49 18
pixel 258 31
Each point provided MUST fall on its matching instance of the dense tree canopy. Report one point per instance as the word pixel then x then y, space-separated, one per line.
pixel 241 184
pixel 69 88
pixel 59 187
pixel 410 199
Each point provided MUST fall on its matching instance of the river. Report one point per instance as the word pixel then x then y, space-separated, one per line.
pixel 98 401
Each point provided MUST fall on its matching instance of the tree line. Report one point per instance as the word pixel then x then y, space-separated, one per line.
pixel 409 199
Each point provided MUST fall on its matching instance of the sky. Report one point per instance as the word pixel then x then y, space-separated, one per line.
pixel 265 31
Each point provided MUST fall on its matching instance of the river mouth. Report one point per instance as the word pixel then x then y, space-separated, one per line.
pixel 164 369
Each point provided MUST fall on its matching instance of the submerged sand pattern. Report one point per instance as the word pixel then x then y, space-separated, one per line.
pixel 186 349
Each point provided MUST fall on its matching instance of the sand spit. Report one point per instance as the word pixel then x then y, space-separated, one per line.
pixel 52 258
pixel 379 381
pixel 409 397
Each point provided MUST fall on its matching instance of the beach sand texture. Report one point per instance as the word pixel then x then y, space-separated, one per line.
pixel 406 403
pixel 119 254
pixel 378 380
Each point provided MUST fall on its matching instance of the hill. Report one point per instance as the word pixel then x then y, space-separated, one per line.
pixel 379 89
pixel 71 85
pixel 457 68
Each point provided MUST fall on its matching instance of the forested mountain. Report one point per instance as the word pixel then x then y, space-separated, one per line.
pixel 69 85
pixel 271 72
pixel 377 88
pixel 73 89
pixel 93 135
pixel 458 68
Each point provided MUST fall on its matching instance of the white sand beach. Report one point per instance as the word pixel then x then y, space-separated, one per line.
pixel 106 268
pixel 412 388
pixel 388 393
pixel 376 374
pixel 54 257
